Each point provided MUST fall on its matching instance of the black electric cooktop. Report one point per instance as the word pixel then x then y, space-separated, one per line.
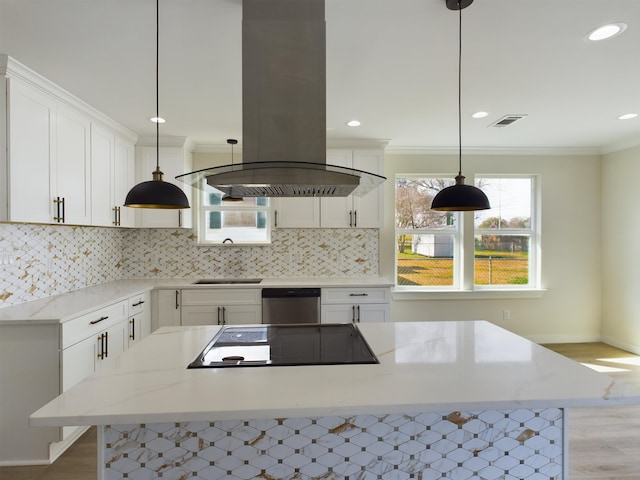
pixel 287 344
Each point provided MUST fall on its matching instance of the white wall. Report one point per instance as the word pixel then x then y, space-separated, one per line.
pixel 570 309
pixel 620 253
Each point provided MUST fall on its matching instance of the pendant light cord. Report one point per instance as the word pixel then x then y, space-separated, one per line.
pixel 459 88
pixel 157 85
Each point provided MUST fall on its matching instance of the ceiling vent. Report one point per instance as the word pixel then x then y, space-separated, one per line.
pixel 507 120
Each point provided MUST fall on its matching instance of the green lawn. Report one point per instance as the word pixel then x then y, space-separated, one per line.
pixel 491 268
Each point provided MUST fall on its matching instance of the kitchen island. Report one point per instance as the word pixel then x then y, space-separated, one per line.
pixel 448 400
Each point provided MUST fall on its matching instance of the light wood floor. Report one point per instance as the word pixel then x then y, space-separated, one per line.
pixel 604 443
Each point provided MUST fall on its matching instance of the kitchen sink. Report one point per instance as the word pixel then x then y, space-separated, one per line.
pixel 226 281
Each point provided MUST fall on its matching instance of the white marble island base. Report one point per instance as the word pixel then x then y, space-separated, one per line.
pixel 507 445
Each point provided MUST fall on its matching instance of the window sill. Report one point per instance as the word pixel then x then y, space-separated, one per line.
pixel 413 293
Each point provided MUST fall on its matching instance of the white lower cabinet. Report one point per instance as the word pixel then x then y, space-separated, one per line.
pixel 165 308
pixel 139 324
pixel 232 306
pixel 355 305
pixel 40 361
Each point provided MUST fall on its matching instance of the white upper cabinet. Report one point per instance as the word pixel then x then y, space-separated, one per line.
pixel 124 175
pixel 57 153
pixel 28 191
pixel 70 178
pixel 47 159
pixel 353 211
pixel 102 156
pixel 112 175
pixel 336 212
pixel 301 212
pixel 174 160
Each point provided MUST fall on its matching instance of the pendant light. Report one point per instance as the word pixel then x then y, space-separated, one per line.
pixel 157 193
pixel 229 196
pixel 460 197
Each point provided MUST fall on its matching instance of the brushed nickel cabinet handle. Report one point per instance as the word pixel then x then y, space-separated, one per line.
pixel 116 216
pixel 101 319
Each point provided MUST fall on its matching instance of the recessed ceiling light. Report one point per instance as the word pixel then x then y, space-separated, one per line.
pixel 627 116
pixel 480 114
pixel 354 123
pixel 157 119
pixel 606 31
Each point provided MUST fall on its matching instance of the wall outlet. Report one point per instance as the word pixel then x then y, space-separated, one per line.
pixel 506 314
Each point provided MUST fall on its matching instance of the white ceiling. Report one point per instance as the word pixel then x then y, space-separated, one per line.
pixel 392 64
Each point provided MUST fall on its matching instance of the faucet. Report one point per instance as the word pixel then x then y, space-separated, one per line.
pixel 227 240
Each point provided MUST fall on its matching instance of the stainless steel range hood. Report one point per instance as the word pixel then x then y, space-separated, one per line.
pixel 284 109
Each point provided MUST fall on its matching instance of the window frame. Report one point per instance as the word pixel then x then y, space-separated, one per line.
pixel 464 265
pixel 533 232
pixel 203 214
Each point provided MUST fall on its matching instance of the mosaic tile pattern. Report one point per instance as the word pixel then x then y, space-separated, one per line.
pixel 487 445
pixel 43 260
pixel 37 261
pixel 293 253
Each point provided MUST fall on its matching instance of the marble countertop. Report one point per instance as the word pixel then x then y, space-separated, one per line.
pixel 424 366
pixel 64 307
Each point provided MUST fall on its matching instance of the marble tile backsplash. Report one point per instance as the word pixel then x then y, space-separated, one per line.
pixel 37 261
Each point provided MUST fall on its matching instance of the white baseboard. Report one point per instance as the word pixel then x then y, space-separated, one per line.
pixel 629 347
pixel 564 338
pixel 58 448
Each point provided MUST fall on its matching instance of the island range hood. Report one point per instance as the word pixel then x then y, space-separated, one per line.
pixel 284 110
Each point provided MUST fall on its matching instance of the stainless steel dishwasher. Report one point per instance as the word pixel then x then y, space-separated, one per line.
pixel 290 305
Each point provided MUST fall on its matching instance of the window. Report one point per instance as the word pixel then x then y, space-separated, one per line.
pixel 427 242
pixel 504 235
pixel 242 221
pixel 430 245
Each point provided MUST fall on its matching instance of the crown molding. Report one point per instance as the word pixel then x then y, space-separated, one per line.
pixel 166 141
pixel 623 145
pixel 534 151
pixel 12 69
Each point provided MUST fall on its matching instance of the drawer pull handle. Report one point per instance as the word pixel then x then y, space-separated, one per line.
pixel 137 303
pixel 101 319
pixel 358 294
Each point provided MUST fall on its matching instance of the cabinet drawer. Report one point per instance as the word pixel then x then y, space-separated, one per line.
pixel 86 325
pixel 222 296
pixel 137 304
pixel 355 295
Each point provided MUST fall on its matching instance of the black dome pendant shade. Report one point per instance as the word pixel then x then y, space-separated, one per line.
pixel 157 193
pixel 460 197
